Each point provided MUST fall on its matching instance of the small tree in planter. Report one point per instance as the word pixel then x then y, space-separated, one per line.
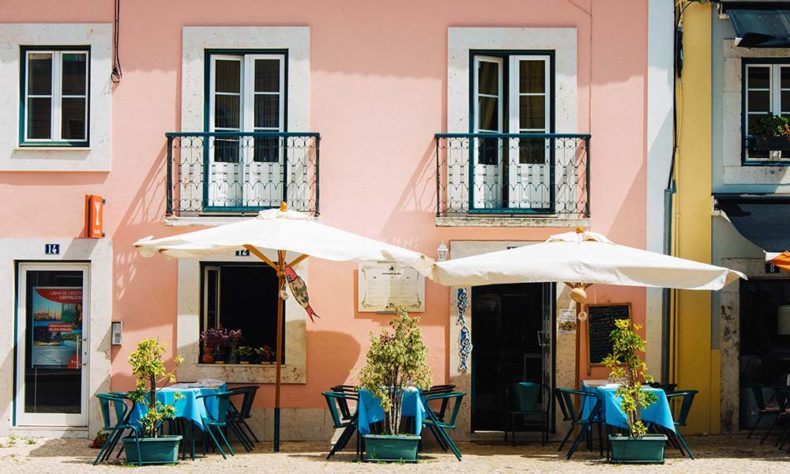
pixel 149 369
pixel 394 363
pixel 626 365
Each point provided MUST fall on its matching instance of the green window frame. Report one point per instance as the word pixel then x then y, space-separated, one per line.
pixel 54 96
pixel 765 88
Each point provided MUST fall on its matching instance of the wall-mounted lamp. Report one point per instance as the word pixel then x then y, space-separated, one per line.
pixel 117 333
pixel 442 251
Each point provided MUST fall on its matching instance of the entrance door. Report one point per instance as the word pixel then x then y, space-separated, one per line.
pixel 511 337
pixel 52 344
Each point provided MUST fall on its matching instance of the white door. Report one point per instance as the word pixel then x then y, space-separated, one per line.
pixel 264 111
pixel 529 160
pixel 224 177
pixel 247 95
pixel 488 118
pixel 52 344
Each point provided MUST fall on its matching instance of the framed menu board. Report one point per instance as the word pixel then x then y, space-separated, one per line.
pixel 383 286
pixel 600 323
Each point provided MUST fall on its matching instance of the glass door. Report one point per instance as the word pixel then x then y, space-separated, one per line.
pixel 487 186
pixel 52 344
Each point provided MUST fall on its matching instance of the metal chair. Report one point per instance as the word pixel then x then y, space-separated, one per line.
pixel 525 400
pixel 216 424
pixel 573 413
pixel 117 429
pixel 762 408
pixel 239 416
pixel 781 413
pixel 680 420
pixel 337 401
pixel 438 389
pixel 439 426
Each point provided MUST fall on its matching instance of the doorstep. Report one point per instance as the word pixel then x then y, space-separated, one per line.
pixel 50 431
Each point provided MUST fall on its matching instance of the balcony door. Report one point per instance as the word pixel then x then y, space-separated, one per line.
pixel 529 168
pixel 52 344
pixel 246 168
pixel 511 95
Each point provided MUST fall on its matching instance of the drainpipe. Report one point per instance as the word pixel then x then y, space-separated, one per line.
pixel 665 293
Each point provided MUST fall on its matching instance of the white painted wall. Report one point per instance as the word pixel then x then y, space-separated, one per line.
pixel 659 153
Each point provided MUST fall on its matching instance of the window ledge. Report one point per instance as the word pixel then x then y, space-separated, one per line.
pixel 52 148
pixel 512 221
pixel 244 373
pixel 208 221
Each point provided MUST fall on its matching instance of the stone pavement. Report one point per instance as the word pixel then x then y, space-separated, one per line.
pixel 715 454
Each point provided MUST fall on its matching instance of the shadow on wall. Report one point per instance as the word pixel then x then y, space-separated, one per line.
pixel 344 353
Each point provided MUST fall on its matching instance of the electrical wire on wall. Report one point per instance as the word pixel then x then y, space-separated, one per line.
pixel 117 72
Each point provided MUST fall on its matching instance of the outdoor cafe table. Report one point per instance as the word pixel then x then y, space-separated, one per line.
pixel 369 409
pixel 658 413
pixel 188 406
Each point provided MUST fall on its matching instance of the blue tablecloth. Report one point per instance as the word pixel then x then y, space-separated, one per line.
pixel 189 407
pixel 659 412
pixel 369 410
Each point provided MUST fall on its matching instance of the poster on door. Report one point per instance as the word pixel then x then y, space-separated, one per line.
pixel 57 326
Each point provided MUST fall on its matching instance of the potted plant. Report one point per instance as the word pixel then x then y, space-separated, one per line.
pixel 770 133
pixel 233 338
pixel 217 340
pixel 394 363
pixel 149 370
pixel 245 354
pixel 207 352
pixel 265 354
pixel 626 365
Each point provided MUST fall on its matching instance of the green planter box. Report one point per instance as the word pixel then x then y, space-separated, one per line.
pixel 391 448
pixel 162 450
pixel 649 449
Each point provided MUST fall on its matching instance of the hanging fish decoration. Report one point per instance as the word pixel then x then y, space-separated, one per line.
pixel 299 290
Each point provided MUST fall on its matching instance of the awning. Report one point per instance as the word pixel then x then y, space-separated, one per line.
pixel 763 219
pixel 760 25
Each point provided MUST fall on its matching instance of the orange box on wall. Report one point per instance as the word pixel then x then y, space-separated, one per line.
pixel 94 216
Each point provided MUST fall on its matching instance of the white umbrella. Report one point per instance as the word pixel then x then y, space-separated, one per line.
pixel 284 231
pixel 580 259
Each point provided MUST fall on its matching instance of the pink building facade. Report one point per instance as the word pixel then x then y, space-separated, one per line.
pixel 543 123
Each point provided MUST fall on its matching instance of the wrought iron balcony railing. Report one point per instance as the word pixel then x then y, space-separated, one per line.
pixel 513 174
pixel 241 172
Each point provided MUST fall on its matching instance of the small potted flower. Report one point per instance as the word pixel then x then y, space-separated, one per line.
pixel 234 337
pixel 265 354
pixel 625 364
pixel 218 341
pixel 245 354
pixel 207 349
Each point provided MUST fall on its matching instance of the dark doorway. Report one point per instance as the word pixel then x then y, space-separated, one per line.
pixel 764 341
pixel 512 342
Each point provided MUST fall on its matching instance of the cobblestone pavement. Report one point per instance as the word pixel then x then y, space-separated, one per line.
pixel 714 454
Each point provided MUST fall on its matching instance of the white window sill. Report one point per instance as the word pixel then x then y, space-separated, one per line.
pixel 244 373
pixel 512 221
pixel 250 365
pixel 52 148
pixel 208 221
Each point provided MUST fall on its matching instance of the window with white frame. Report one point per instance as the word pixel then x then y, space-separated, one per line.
pixel 512 93
pixel 766 93
pixel 54 96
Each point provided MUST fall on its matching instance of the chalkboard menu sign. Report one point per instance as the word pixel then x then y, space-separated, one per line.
pixel 600 323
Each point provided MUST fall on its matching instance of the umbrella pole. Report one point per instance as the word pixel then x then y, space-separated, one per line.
pixel 578 346
pixel 279 350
